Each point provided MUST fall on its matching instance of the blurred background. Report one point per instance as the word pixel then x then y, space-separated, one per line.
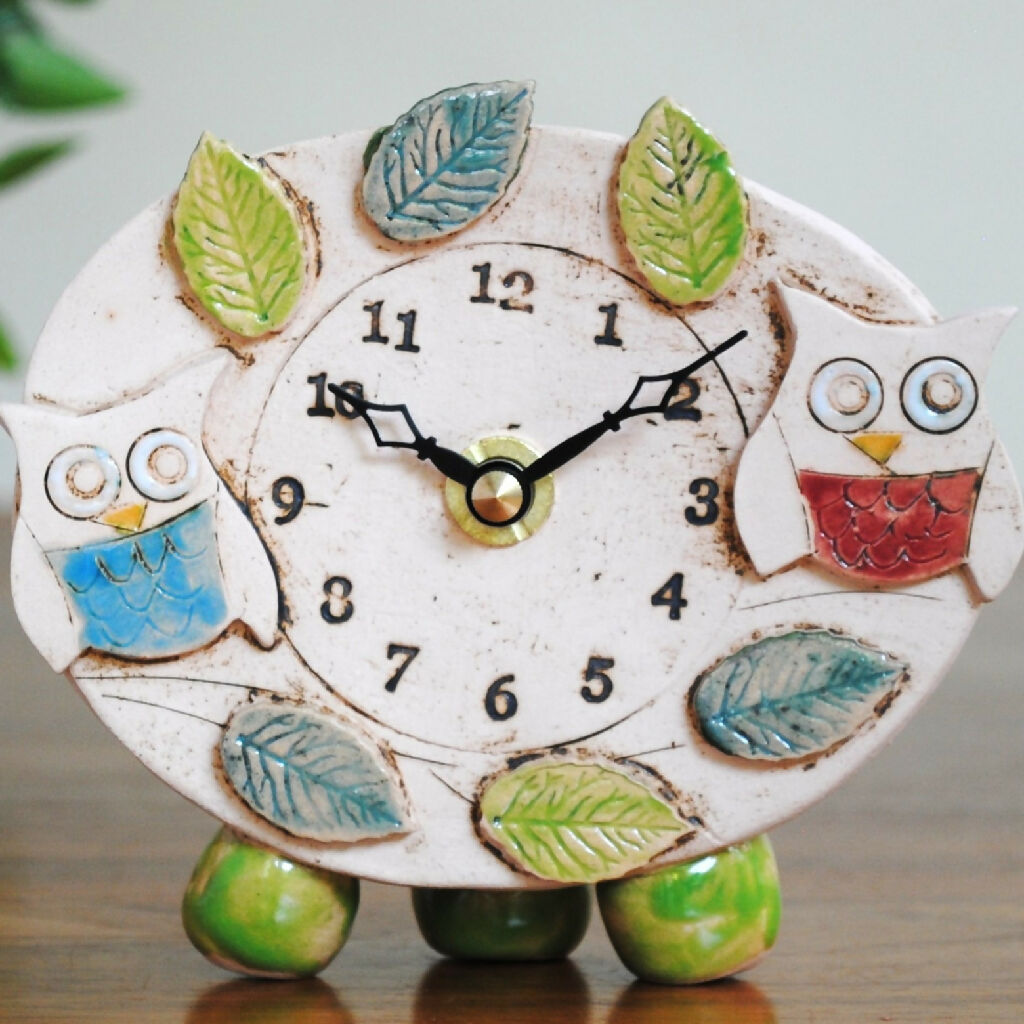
pixel 900 119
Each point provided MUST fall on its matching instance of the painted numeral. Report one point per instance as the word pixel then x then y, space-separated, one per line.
pixel 608 336
pixel 670 596
pixel 320 389
pixel 337 608
pixel 500 702
pixel 289 496
pixel 705 490
pixel 519 282
pixel 682 405
pixel 407 320
pixel 597 670
pixel 319 406
pixel 408 653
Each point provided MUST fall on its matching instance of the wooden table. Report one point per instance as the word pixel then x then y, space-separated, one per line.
pixel 903 892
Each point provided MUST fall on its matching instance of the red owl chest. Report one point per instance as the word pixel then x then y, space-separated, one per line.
pixel 891 529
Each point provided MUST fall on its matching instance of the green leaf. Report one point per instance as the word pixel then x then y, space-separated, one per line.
pixel 311 775
pixel 8 355
pixel 19 163
pixel 577 822
pixel 239 239
pixel 34 75
pixel 792 695
pixel 682 209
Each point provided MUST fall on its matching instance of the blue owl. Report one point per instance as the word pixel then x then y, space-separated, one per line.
pixel 126 541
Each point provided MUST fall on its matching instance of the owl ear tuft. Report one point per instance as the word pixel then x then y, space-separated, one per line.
pixel 988 325
pixel 808 312
pixel 23 421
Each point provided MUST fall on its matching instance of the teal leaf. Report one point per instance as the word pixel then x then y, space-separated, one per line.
pixel 682 210
pixel 448 160
pixel 793 695
pixel 576 822
pixel 311 775
pixel 21 162
pixel 35 75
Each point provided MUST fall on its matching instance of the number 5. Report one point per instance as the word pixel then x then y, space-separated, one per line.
pixel 596 669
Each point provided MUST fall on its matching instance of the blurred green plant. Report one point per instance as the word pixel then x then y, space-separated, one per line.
pixel 38 77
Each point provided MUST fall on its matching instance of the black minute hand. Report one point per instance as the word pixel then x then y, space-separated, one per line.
pixel 453 465
pixel 568 449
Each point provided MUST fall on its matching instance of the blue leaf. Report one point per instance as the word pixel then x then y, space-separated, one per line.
pixel 448 160
pixel 311 775
pixel 792 695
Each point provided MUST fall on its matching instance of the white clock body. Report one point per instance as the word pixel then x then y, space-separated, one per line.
pixel 581 587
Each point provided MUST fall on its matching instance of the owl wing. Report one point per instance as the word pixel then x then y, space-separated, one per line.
pixel 41 603
pixel 250 586
pixel 770 512
pixel 997 533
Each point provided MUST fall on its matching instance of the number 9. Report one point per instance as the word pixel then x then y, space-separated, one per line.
pixel 288 495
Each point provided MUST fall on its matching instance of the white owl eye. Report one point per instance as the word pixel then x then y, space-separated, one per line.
pixel 82 481
pixel 939 395
pixel 163 465
pixel 846 395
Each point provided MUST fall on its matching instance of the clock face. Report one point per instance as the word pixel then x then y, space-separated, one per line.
pixel 436 627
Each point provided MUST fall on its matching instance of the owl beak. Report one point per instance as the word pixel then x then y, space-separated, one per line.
pixel 878 446
pixel 125 518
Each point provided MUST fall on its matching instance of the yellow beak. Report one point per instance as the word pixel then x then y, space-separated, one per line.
pixel 126 518
pixel 878 446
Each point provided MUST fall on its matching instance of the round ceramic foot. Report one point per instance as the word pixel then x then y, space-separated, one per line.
pixel 697 921
pixel 479 924
pixel 251 910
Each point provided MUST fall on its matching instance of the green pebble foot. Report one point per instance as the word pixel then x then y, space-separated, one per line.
pixel 479 924
pixel 251 910
pixel 696 921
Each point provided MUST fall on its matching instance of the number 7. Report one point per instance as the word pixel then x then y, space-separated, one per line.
pixel 406 651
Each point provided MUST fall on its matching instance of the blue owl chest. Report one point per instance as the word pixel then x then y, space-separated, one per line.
pixel 153 594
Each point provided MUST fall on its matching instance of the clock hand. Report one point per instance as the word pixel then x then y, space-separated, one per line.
pixel 453 465
pixel 568 449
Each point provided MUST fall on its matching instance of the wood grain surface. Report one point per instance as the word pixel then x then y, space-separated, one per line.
pixel 903 892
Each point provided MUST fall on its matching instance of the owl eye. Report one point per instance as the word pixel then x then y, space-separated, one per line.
pixel 939 395
pixel 846 395
pixel 163 465
pixel 82 481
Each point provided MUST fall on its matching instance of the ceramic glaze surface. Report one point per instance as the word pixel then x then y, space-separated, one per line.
pixel 392 691
pixel 157 593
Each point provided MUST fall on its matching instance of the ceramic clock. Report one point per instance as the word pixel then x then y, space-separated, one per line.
pixel 482 506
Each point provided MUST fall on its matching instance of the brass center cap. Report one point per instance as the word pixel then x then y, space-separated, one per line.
pixel 500 507
pixel 499 497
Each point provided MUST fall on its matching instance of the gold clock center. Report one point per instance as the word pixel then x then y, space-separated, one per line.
pixel 499 507
pixel 498 497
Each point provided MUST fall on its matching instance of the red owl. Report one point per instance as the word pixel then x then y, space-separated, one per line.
pixel 878 458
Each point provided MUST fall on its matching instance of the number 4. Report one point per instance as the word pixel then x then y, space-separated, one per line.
pixel 670 595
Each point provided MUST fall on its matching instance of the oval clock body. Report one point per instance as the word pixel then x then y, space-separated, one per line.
pixel 708 599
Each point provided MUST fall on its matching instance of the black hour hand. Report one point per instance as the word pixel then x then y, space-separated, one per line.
pixel 650 395
pixel 397 423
